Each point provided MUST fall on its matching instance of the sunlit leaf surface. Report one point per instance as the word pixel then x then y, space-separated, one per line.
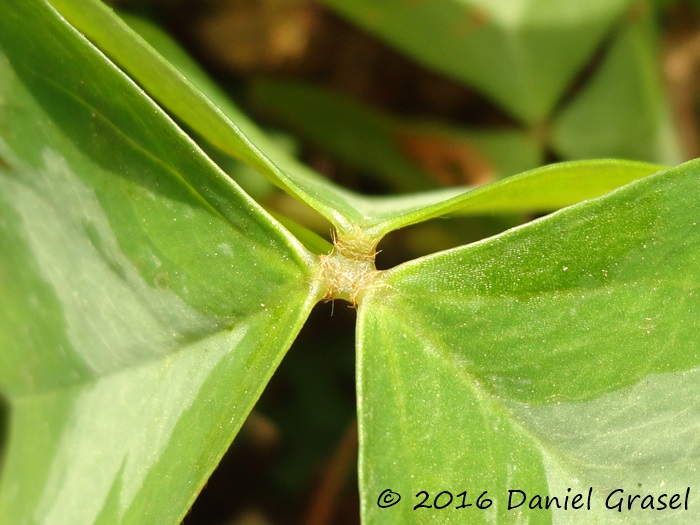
pixel 560 355
pixel 542 189
pixel 227 128
pixel 145 299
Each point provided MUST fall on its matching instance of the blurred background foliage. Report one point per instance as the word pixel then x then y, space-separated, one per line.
pixel 395 96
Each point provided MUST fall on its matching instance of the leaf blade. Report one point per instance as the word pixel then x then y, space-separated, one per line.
pixel 520 54
pixel 146 299
pixel 623 111
pixel 542 189
pixel 565 337
pixel 226 127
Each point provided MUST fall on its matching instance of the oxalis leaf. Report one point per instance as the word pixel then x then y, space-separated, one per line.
pixel 225 127
pixel 623 110
pixel 520 53
pixel 542 189
pixel 557 358
pixel 145 299
pixel 357 217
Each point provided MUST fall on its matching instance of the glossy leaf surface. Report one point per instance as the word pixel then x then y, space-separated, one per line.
pixel 542 189
pixel 251 181
pixel 225 126
pixel 139 321
pixel 520 53
pixel 146 300
pixel 349 212
pixel 560 355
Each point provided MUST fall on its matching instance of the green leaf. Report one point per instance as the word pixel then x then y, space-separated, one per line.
pixel 543 189
pixel 405 155
pixel 521 53
pixel 145 299
pixel 622 111
pixel 353 215
pixel 349 212
pixel 225 127
pixel 250 181
pixel 254 184
pixel 560 355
